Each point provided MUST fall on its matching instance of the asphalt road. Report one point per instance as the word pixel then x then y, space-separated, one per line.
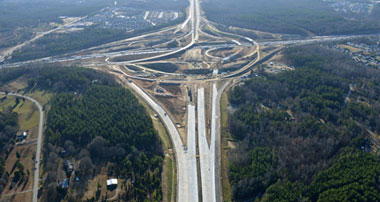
pixel 39 143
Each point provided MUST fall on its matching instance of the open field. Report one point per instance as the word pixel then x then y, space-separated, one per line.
pixel 42 97
pixel 350 48
pixel 97 188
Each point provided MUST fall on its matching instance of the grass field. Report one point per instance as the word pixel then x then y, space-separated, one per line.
pixel 350 48
pixel 42 97
pixel 169 174
pixel 27 111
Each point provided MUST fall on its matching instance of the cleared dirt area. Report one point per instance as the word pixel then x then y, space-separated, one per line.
pixel 174 89
pixel 97 188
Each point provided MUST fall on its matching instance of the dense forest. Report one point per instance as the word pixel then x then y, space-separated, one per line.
pixel 8 131
pixel 106 125
pixel 101 128
pixel 291 17
pixel 303 135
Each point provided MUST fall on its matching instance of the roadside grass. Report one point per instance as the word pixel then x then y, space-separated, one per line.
pixel 43 97
pixel 161 132
pixel 226 186
pixel 27 112
pixel 169 169
pixel 28 115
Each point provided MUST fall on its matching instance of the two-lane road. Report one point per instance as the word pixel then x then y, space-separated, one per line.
pixel 39 143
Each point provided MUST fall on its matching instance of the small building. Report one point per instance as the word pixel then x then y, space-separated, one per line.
pixel 69 166
pixel 22 136
pixel 63 152
pixel 160 90
pixel 111 184
pixel 64 184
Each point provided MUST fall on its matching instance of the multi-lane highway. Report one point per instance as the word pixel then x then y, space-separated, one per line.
pixel 189 189
pixel 195 18
pixel 188 185
pixel 206 154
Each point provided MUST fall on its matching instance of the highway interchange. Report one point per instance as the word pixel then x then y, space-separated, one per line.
pixel 201 143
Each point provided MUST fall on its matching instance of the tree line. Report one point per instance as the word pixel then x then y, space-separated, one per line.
pixel 8 130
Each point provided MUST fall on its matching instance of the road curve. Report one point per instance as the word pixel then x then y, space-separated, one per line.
pixel 187 185
pixel 39 143
pixel 195 16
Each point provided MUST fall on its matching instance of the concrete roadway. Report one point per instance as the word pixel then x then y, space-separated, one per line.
pixel 39 143
pixel 209 153
pixel 206 155
pixel 190 154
